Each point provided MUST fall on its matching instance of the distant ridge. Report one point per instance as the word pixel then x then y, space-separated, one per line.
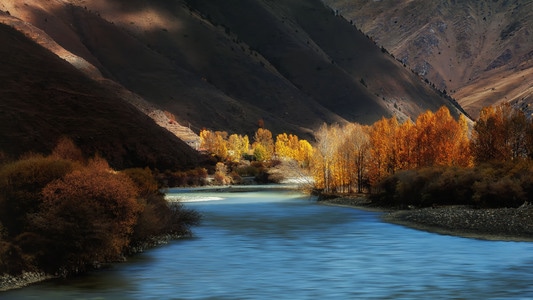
pixel 480 52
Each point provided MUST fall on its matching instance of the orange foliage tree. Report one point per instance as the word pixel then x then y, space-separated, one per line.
pixel 441 140
pixel 383 150
pixel 501 133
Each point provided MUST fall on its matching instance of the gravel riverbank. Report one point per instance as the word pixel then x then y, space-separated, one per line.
pixel 9 282
pixel 506 224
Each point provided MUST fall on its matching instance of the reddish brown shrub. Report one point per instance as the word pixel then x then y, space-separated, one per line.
pixel 87 216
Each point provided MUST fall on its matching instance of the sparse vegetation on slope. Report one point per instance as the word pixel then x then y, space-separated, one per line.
pixel 43 98
pixel 478 51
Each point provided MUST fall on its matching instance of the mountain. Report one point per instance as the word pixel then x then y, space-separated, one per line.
pixel 222 65
pixel 43 98
pixel 480 52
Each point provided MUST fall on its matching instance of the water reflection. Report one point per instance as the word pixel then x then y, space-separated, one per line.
pixel 276 244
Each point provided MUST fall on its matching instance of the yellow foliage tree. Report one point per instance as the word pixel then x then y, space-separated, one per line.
pixel 305 153
pixel 214 142
pixel 263 137
pixel 237 145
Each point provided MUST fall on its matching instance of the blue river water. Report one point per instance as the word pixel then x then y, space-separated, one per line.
pixel 275 244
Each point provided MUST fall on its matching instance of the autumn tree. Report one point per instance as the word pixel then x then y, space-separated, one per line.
pixel 263 144
pixel 500 134
pixel 282 147
pixel 383 151
pixel 305 153
pixel 214 143
pixel 290 146
pixel 426 148
pixel 406 141
pixel 323 158
pixel 221 174
pixel 357 145
pixel 237 146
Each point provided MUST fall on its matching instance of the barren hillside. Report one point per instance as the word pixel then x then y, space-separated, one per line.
pixel 481 52
pixel 223 65
pixel 43 98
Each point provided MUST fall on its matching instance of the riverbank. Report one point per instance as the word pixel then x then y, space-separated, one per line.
pixel 503 224
pixel 10 282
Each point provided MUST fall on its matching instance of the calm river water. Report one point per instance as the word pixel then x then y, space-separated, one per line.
pixel 281 245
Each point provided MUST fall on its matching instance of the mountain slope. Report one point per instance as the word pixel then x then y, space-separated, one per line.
pixel 235 62
pixel 481 52
pixel 43 97
pixel 229 65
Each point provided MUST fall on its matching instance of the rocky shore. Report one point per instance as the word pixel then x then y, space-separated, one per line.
pixel 506 224
pixel 9 282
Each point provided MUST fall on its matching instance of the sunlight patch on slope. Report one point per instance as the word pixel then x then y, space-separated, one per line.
pixel 138 18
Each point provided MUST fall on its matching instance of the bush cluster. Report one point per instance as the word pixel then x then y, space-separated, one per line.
pixel 63 215
pixel 489 185
pixel 195 177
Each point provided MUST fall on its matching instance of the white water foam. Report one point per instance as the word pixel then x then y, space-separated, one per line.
pixel 191 198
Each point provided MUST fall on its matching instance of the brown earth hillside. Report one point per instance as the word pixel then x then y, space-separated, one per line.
pixel 43 98
pixel 226 65
pixel 481 52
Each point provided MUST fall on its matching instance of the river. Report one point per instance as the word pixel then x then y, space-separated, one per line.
pixel 274 244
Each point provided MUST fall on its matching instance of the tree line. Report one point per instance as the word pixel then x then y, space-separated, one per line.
pixel 354 157
pixel 235 147
pixel 434 160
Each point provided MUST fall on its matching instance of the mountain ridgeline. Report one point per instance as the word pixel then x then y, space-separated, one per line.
pixel 479 51
pixel 223 65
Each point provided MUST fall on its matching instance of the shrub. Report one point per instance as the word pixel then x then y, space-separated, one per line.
pixel 488 185
pixel 66 149
pixel 11 259
pixel 144 180
pixel 21 183
pixel 86 217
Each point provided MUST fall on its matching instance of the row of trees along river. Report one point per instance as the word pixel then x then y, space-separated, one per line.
pixel 435 160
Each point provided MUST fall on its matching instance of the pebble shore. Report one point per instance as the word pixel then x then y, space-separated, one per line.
pixel 504 224
pixel 8 282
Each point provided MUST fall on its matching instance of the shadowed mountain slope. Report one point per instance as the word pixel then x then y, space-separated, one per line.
pixel 42 98
pixel 481 52
pixel 224 65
